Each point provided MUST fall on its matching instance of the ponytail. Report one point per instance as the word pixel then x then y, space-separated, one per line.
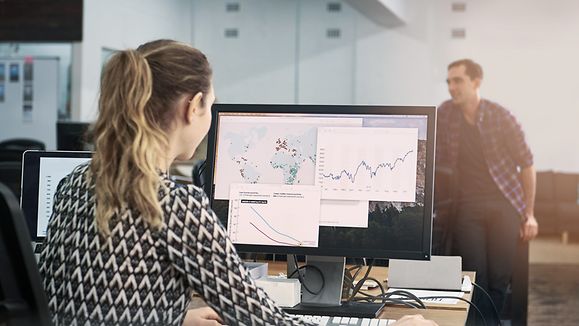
pixel 128 140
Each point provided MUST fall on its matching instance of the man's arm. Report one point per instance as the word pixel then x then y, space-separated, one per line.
pixel 530 227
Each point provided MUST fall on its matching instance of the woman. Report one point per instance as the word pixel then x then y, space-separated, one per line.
pixel 126 245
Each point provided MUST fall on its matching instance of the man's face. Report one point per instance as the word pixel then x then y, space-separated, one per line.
pixel 462 89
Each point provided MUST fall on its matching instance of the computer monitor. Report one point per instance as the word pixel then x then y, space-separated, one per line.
pixel 72 136
pixel 41 173
pixel 324 180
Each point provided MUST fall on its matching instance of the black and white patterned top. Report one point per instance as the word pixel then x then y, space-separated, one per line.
pixel 142 277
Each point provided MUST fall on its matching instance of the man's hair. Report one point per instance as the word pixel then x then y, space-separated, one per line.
pixel 473 69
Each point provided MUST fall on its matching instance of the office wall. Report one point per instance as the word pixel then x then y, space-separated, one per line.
pixel 288 52
pixel 282 54
pixel 529 52
pixel 395 64
pixel 115 25
pixel 257 65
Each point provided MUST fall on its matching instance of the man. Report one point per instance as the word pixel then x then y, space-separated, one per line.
pixel 485 147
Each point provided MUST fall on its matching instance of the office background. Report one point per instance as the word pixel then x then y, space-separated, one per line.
pixel 332 51
pixel 350 52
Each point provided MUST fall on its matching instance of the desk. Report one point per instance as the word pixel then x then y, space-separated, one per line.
pixel 443 315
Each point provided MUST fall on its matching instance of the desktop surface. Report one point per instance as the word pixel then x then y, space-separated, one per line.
pixel 442 314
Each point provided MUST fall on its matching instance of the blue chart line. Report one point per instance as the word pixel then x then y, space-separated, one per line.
pixel 352 176
pixel 273 229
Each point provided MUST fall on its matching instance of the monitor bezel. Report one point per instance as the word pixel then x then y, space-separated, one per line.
pixel 429 111
pixel 29 186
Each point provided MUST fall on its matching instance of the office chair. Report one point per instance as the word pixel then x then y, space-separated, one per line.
pixel 10 175
pixel 11 155
pixel 22 297
pixel 11 149
pixel 199 174
pixel 21 144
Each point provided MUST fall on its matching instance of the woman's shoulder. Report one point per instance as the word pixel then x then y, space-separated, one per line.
pixel 186 192
pixel 76 178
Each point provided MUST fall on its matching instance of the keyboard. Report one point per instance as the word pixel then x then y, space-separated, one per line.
pixel 349 321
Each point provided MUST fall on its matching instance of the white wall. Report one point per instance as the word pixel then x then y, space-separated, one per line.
pixel 257 66
pixel 119 25
pixel 526 47
pixel 394 65
pixel 528 50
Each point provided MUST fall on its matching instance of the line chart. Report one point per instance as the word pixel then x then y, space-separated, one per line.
pixel 274 215
pixel 296 241
pixel 376 164
pixel 372 172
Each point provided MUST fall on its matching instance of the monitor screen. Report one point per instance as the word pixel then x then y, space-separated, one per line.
pixel 41 173
pixel 325 180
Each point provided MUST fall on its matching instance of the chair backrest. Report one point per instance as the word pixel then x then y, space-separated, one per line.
pixel 22 144
pixel 10 175
pixel 11 155
pixel 22 297
pixel 199 174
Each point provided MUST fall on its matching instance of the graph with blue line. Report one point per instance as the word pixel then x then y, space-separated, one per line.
pixel 376 164
pixel 364 167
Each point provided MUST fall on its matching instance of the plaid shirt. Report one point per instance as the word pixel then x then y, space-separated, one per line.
pixel 503 142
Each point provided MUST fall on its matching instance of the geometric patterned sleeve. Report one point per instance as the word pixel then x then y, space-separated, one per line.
pixel 199 249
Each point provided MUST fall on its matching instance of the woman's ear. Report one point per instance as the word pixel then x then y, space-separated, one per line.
pixel 195 105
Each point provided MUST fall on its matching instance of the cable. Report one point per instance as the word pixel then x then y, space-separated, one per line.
pixel 409 295
pixel 462 299
pixel 383 297
pixel 301 278
pixel 390 300
pixel 351 278
pixel 387 297
pixel 382 290
pixel 491 300
pixel 361 281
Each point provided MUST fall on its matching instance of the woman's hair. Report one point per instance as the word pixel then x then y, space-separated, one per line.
pixel 139 92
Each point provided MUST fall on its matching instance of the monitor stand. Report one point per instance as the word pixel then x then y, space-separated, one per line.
pixel 329 301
